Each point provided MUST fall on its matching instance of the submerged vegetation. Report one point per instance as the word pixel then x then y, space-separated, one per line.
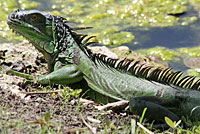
pixel 110 19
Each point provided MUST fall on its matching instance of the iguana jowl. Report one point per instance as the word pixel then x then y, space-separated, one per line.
pixel 69 60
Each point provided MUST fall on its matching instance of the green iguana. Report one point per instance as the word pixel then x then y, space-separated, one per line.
pixel 162 91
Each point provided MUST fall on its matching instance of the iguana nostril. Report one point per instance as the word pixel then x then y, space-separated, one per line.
pixel 12 16
pixel 19 17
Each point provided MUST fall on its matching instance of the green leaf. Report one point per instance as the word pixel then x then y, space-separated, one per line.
pixel 144 111
pixel 107 121
pixel 47 117
pixel 178 123
pixel 170 122
pixel 41 122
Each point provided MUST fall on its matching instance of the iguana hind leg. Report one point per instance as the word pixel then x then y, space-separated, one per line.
pixel 155 109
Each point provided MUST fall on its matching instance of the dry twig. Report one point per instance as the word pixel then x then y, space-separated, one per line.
pixel 74 130
pixel 93 120
pixel 122 103
pixel 85 101
pixel 40 92
pixel 92 129
pixel 144 128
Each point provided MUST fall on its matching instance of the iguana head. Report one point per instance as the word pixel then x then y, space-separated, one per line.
pixel 35 26
pixel 38 28
pixel 48 33
pixel 45 31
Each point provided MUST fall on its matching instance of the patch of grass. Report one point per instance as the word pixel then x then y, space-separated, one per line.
pixel 68 93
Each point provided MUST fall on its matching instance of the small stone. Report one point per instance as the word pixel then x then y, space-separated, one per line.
pixel 72 102
pixel 122 51
pixel 93 120
pixel 103 50
pixel 37 110
pixel 157 59
pixel 192 62
pixel 123 48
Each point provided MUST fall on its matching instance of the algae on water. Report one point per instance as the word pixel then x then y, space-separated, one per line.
pixel 110 19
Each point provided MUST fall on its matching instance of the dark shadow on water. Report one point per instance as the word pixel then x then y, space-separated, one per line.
pixel 170 37
pixel 177 66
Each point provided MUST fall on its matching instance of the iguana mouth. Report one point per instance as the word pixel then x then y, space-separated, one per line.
pixel 13 21
pixel 14 18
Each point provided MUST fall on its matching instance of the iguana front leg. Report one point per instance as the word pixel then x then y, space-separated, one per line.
pixel 68 74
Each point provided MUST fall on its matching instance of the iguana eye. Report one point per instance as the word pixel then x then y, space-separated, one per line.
pixel 34 17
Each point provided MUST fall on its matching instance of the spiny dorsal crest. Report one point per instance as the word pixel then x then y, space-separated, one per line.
pixel 149 72
pixel 63 29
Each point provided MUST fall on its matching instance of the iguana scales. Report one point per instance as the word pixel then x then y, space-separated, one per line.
pixel 162 91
